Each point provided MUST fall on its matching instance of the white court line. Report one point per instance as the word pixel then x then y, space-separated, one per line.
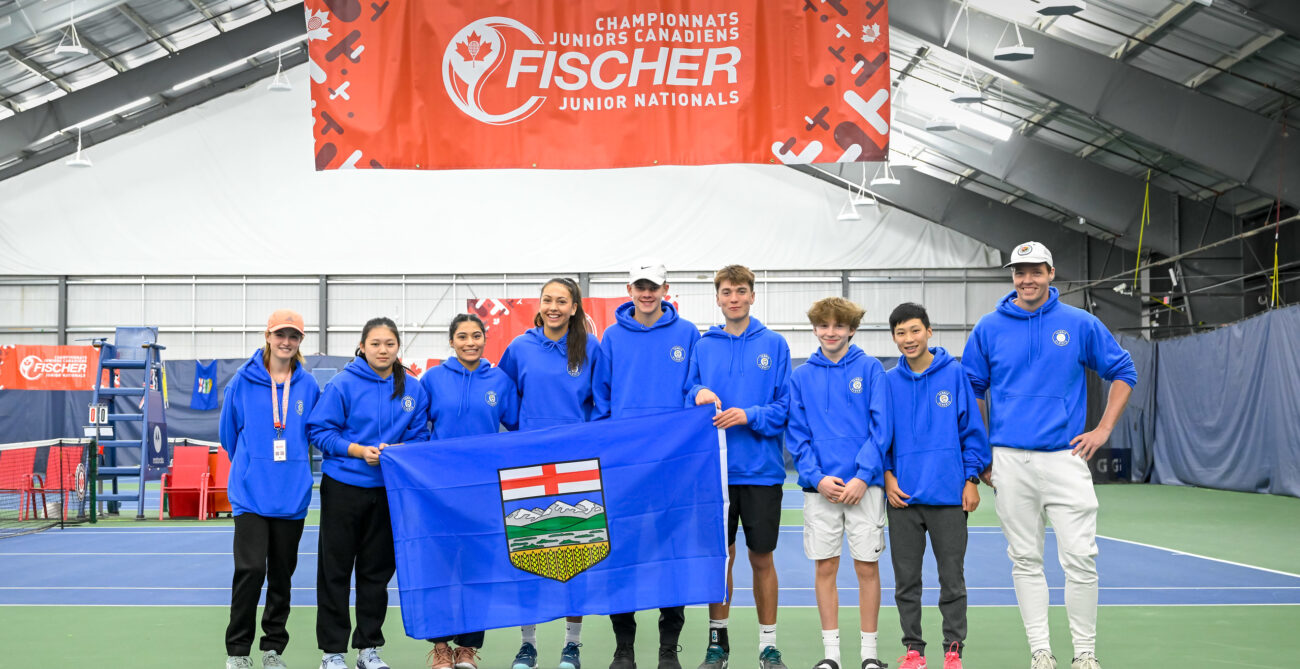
pixel 1203 557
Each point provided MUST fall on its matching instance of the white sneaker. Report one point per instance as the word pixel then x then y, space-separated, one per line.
pixel 238 662
pixel 368 658
pixel 1085 660
pixel 333 661
pixel 1042 659
pixel 272 660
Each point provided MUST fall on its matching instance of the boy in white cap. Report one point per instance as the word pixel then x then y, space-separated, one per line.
pixel 1027 361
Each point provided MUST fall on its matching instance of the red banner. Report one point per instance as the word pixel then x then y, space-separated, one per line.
pixel 48 367
pixel 583 84
pixel 507 319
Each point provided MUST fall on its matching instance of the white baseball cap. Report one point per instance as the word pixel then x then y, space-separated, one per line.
pixel 650 270
pixel 1030 253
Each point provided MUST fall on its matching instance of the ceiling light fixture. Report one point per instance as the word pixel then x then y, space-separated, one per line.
pixel 848 212
pixel 885 176
pixel 1017 51
pixel 79 160
pixel 279 82
pixel 73 41
pixel 1061 7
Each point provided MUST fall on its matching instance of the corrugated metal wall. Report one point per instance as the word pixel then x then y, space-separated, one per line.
pixel 223 317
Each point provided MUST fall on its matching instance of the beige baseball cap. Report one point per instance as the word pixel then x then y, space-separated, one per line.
pixel 285 318
pixel 1030 253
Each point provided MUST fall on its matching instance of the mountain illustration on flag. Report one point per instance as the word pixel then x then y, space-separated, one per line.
pixel 554 515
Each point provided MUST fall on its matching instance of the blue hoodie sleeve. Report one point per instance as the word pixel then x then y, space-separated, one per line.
pixel 229 423
pixel 325 427
pixel 769 419
pixel 693 385
pixel 799 438
pixel 509 405
pixel 976 362
pixel 975 452
pixel 1107 357
pixel 426 382
pixel 880 433
pixel 602 376
pixel 417 426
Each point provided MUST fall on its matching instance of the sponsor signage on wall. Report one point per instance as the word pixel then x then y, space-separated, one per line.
pixel 48 367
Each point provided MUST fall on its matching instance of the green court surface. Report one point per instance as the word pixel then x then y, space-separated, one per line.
pixel 1256 530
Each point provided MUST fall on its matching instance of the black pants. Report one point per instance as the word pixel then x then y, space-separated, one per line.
pixel 671 620
pixel 467 640
pixel 265 549
pixel 947 528
pixel 354 532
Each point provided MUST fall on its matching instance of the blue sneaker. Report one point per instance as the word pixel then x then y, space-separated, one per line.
pixel 770 658
pixel 714 657
pixel 526 658
pixel 569 656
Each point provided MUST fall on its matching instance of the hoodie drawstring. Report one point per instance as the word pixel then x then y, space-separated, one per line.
pixel 464 394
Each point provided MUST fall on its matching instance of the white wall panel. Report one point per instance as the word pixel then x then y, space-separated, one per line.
pixel 26 305
pixel 168 305
pixel 219 305
pixel 264 299
pixel 111 304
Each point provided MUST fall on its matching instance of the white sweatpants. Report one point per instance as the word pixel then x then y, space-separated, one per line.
pixel 1033 486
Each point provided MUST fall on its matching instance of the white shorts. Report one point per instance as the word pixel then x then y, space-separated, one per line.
pixel 825 524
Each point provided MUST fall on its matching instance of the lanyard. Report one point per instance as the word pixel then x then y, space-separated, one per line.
pixel 276 409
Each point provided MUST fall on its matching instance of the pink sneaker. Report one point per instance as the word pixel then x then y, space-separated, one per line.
pixel 912 660
pixel 951 660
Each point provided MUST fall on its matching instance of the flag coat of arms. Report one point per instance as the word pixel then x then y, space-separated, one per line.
pixel 595 518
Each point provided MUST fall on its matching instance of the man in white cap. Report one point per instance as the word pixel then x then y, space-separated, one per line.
pixel 643 371
pixel 1026 361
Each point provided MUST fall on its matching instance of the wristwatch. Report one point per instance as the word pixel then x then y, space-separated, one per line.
pixel 973 479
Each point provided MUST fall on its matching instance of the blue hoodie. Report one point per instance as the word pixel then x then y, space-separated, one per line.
pixel 839 419
pixel 258 484
pixel 549 392
pixel 751 371
pixel 1033 366
pixel 357 407
pixel 463 403
pixel 643 369
pixel 939 437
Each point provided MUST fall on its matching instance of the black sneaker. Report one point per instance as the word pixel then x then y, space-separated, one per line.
pixel 827 664
pixel 668 657
pixel 624 657
pixel 873 663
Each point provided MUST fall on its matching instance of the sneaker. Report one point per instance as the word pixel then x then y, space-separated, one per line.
pixel 238 662
pixel 668 657
pixel 272 660
pixel 827 664
pixel 333 661
pixel 466 657
pixel 873 663
pixel 368 658
pixel 624 657
pixel 952 659
pixel 714 657
pixel 1085 660
pixel 912 660
pixel 526 658
pixel 1042 659
pixel 770 658
pixel 440 657
pixel 569 656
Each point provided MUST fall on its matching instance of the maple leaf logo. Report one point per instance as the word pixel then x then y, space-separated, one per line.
pixel 316 23
pixel 474 49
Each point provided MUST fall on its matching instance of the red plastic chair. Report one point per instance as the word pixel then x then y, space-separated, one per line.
pixel 218 481
pixel 60 478
pixel 16 477
pixel 188 478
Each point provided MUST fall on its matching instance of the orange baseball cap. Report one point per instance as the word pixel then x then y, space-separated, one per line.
pixel 285 318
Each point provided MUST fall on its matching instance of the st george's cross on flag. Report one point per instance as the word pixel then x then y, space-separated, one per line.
pixel 519 528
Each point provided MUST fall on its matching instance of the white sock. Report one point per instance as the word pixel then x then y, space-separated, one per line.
pixel 831 642
pixel 572 632
pixel 530 634
pixel 766 636
pixel 718 624
pixel 869 645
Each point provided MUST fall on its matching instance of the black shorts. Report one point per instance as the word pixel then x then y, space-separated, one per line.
pixel 759 508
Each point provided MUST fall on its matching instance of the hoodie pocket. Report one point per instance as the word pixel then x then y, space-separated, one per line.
pixel 1030 421
pixel 934 476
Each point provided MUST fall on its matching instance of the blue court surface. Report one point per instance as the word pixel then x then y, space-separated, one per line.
pixel 192 565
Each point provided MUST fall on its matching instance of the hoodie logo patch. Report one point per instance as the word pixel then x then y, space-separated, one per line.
pixel 943 399
pixel 764 361
pixel 855 386
pixel 1060 337
pixel 299 407
pixel 677 353
pixel 575 371
pixel 408 403
pixel 491 398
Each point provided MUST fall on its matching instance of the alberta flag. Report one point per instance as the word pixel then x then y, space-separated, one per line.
pixel 204 395
pixel 596 518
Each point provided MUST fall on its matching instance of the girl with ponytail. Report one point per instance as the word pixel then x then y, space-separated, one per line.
pixel 551 366
pixel 363 409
